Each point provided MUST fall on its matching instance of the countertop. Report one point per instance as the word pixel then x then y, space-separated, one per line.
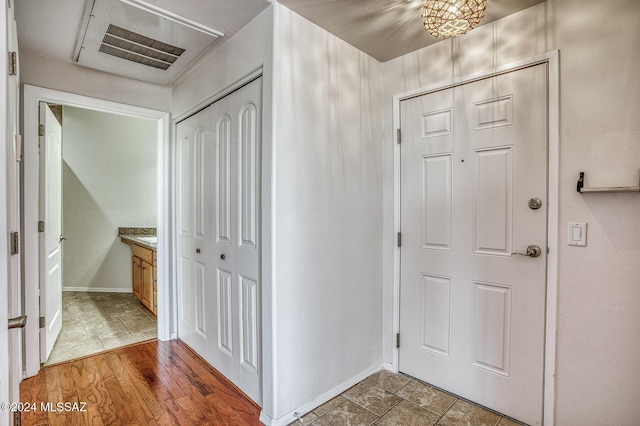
pixel 144 237
pixel 139 240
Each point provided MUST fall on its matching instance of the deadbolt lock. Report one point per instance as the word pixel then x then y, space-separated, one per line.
pixel 535 203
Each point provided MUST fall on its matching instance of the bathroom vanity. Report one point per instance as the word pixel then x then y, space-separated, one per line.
pixel 144 269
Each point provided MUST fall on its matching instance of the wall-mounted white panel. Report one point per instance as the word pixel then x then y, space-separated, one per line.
pixel 493 181
pixel 225 313
pixel 436 314
pixel 223 130
pixel 200 184
pixel 200 300
pixel 437 123
pixel 184 277
pixel 491 342
pixel 249 190
pixel 249 327
pixel 436 202
pixel 493 113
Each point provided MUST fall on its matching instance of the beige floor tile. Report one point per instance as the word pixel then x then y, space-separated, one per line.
pixel 305 420
pixel 89 326
pixel 388 380
pixel 508 422
pixel 346 414
pixel 371 397
pixel 329 405
pixel 464 413
pixel 140 326
pixel 427 397
pixel 121 339
pixel 104 328
pixel 408 414
pixel 153 334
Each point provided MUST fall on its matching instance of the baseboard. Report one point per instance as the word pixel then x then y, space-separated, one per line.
pixel 325 397
pixel 98 289
pixel 389 366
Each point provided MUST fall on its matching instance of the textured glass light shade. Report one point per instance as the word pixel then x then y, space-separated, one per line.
pixel 449 18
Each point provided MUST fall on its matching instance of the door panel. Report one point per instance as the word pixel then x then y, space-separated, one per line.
pixel 51 239
pixel 221 282
pixel 471 311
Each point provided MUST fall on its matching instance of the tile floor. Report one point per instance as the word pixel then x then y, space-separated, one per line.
pixel 95 322
pixel 390 399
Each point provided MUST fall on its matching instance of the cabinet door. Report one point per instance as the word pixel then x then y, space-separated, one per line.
pixel 146 285
pixel 135 275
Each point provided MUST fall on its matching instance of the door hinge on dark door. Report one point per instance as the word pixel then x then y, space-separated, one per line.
pixel 17 418
pixel 397 340
pixel 41 130
pixel 13 63
pixel 399 239
pixel 15 243
pixel 398 136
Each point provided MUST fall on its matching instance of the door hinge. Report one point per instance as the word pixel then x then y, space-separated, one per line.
pixel 13 63
pixel 399 239
pixel 397 340
pixel 42 322
pixel 15 243
pixel 17 418
pixel 18 148
pixel 398 136
pixel 41 226
pixel 41 130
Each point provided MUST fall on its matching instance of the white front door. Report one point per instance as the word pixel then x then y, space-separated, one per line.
pixel 472 311
pixel 51 238
pixel 218 235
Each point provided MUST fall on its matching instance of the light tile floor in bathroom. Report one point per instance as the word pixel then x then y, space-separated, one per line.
pixel 95 322
pixel 390 399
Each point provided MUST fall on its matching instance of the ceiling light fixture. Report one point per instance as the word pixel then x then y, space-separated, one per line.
pixel 450 18
pixel 163 13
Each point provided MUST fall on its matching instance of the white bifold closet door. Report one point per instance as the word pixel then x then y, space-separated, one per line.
pixel 218 229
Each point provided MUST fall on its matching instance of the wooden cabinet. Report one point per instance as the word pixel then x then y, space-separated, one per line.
pixel 136 276
pixel 144 277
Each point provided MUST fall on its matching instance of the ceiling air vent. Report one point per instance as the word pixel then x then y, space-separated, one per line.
pixel 134 47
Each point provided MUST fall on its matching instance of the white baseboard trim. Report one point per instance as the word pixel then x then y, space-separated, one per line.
pixel 389 366
pixel 98 289
pixel 327 396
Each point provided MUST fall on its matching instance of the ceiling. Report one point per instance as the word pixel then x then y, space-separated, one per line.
pixel 385 29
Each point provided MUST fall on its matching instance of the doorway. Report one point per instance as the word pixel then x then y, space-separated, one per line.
pixel 160 121
pixel 98 178
pixel 473 185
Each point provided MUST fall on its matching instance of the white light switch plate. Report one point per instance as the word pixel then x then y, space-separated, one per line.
pixel 577 234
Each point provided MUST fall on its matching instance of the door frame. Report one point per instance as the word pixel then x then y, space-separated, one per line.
pixel 33 95
pixel 552 59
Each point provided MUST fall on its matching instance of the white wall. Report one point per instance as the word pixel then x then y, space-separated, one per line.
pixel 46 72
pixel 328 221
pixel 109 181
pixel 598 356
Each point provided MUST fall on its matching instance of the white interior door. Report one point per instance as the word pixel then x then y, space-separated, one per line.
pixel 471 311
pixel 51 238
pixel 219 228
pixel 14 162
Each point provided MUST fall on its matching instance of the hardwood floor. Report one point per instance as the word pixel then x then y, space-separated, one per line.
pixel 154 383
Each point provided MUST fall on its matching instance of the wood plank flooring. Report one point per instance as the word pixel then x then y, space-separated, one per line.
pixel 153 383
